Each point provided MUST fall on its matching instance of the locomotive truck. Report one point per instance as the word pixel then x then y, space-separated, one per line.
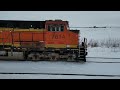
pixel 40 40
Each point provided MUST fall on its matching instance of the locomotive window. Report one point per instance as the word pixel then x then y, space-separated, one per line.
pixel 49 28
pixel 55 28
pixel 62 28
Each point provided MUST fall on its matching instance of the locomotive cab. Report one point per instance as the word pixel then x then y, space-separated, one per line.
pixel 55 26
pixel 59 35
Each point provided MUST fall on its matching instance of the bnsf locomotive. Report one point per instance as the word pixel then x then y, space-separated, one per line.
pixel 40 40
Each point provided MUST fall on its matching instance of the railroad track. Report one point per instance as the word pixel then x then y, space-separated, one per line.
pixel 102 57
pixel 64 74
pixel 92 61
pixel 101 62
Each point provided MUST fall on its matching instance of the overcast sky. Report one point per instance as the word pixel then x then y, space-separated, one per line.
pixel 75 18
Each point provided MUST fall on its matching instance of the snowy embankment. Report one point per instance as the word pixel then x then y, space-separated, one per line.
pixel 104 52
pixel 29 76
pixel 107 39
pixel 58 70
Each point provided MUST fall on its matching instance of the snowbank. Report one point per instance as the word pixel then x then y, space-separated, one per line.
pixel 104 52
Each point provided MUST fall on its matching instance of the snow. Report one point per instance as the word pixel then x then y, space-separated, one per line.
pixel 104 52
pixel 101 34
pixel 14 76
pixel 48 67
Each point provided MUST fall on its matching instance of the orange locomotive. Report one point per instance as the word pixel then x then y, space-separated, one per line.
pixel 40 40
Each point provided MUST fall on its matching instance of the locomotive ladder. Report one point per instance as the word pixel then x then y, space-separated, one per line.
pixel 82 50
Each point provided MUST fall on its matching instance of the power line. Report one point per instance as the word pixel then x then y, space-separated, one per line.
pixel 94 27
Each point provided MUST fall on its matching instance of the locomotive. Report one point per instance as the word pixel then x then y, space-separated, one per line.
pixel 40 40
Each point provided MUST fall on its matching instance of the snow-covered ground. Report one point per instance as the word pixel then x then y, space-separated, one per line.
pixel 104 52
pixel 102 63
pixel 58 70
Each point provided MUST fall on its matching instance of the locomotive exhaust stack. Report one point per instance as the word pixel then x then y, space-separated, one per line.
pixel 40 40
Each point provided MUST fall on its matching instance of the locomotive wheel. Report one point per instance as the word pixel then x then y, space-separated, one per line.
pixel 34 57
pixel 40 56
pixel 70 58
pixel 54 56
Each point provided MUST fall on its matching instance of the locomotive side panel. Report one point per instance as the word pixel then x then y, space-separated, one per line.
pixel 16 38
pixel 55 40
pixel 72 40
pixel 5 38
